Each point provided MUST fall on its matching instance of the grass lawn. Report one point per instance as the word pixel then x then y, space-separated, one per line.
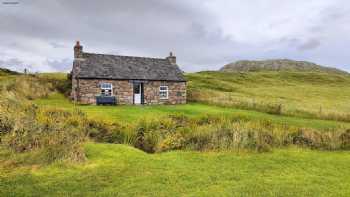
pixel 133 113
pixel 119 170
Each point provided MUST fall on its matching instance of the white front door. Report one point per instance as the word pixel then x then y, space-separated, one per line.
pixel 137 93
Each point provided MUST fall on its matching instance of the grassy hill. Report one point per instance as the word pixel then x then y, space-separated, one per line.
pixel 323 95
pixel 278 65
pixel 5 72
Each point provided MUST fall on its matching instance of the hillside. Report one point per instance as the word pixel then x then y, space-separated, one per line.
pixel 4 71
pixel 322 95
pixel 277 65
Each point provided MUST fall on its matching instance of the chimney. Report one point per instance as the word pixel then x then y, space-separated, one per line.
pixel 78 50
pixel 172 58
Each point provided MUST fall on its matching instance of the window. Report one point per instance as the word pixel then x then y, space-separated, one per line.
pixel 106 89
pixel 163 92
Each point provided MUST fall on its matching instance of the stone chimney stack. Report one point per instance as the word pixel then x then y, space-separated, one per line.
pixel 78 50
pixel 172 58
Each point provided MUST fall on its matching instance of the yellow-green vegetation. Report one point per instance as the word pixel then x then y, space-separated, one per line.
pixel 119 170
pixel 41 134
pixel 323 95
pixel 52 147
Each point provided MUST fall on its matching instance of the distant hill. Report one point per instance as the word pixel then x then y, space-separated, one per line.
pixel 276 65
pixel 5 71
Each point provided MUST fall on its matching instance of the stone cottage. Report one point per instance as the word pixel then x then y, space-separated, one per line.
pixel 126 79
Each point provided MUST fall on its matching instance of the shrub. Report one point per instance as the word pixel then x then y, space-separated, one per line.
pixel 106 132
pixel 146 140
pixel 6 125
pixel 57 134
pixel 174 141
pixel 345 140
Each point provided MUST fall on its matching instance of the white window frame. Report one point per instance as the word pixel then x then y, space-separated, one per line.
pixel 106 88
pixel 164 91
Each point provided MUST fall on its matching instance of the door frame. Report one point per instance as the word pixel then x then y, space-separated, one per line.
pixel 141 85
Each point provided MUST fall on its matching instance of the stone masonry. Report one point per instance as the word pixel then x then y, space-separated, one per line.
pixel 177 92
pixel 88 89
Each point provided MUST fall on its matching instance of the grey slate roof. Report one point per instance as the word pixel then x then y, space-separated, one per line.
pixel 101 66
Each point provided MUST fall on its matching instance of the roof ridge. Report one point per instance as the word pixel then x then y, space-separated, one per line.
pixel 125 56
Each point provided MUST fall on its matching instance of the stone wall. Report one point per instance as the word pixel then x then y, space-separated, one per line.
pixel 87 89
pixel 75 71
pixel 176 95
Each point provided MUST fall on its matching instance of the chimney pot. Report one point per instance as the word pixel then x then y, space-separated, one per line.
pixel 172 58
pixel 78 50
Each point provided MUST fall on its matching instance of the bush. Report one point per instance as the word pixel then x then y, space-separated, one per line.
pixel 146 140
pixel 174 141
pixel 106 132
pixel 56 134
pixel 345 140
pixel 6 126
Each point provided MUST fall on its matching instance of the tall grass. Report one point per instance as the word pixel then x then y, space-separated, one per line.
pixel 177 132
pixel 50 135
pixel 43 134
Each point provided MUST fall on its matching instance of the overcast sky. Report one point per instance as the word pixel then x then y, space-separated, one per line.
pixel 203 34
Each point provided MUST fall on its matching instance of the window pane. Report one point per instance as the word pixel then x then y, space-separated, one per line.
pixel 106 86
pixel 109 92
pixel 164 88
pixel 163 92
pixel 137 89
pixel 106 89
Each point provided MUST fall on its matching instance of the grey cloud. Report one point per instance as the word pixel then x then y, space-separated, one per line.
pixel 291 42
pixel 57 45
pixel 14 64
pixel 60 65
pixel 301 44
pixel 150 28
pixel 310 44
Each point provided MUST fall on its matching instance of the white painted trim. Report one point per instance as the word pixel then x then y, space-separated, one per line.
pixel 101 88
pixel 167 92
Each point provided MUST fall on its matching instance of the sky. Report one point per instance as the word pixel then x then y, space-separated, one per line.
pixel 204 34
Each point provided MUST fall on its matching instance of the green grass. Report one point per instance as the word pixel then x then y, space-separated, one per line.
pixel 119 170
pixel 56 76
pixel 134 113
pixel 303 94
